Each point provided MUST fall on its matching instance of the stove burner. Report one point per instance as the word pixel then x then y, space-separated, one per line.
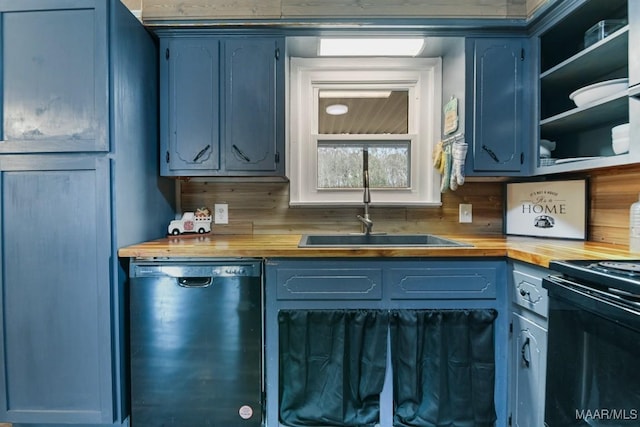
pixel 630 267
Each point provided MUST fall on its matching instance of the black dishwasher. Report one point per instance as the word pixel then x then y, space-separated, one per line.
pixel 196 343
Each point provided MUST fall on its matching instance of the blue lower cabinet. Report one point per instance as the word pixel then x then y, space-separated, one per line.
pixel 56 325
pixel 398 320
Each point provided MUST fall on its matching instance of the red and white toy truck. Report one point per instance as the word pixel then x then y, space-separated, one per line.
pixel 192 222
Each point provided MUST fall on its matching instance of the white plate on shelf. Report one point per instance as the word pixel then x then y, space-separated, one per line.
pixel 597 91
pixel 574 159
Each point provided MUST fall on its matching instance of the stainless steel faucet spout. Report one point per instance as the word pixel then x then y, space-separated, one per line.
pixel 367 223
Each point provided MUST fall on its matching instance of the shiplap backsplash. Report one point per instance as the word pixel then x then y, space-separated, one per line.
pixel 263 208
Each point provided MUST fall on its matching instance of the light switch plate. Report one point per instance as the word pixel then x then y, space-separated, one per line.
pixel 466 215
pixel 221 213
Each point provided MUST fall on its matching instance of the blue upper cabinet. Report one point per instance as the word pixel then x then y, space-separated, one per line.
pixel 54 80
pixel 497 112
pixel 222 106
pixel 252 128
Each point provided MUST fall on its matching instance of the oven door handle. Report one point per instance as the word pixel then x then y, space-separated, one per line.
pixel 523 352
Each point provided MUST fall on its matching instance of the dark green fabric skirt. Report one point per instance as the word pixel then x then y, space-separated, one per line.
pixel 443 368
pixel 333 364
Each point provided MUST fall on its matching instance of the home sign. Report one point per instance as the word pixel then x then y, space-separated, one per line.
pixel 554 209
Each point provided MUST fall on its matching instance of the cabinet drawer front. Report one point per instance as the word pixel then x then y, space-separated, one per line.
pixel 443 283
pixel 528 293
pixel 328 283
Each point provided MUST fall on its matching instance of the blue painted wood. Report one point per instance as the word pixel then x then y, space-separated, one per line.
pixel 253 134
pixel 63 343
pixel 348 283
pixel 191 135
pixel 280 271
pixel 142 202
pixel 528 343
pixel 56 325
pixel 528 293
pixel 55 89
pixel 497 114
pixel 222 106
pixel 529 353
pixel 453 282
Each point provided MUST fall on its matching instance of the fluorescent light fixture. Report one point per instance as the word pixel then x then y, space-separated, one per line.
pixel 354 94
pixel 371 47
pixel 337 109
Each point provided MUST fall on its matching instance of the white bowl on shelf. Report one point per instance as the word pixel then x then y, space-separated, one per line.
pixel 620 145
pixel 620 131
pixel 597 91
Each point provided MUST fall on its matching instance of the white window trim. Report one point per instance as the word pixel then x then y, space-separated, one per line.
pixel 423 77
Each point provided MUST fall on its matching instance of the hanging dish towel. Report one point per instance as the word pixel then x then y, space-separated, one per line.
pixel 438 163
pixel 446 168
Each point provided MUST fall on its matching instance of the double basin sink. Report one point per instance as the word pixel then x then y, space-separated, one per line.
pixel 376 240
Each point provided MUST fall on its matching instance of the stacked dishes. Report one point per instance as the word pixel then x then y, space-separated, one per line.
pixel 620 138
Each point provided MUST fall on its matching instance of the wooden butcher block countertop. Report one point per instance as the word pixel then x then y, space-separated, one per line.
pixel 531 250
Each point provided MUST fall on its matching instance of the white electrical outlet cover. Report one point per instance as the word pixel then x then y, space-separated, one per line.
pixel 221 213
pixel 465 213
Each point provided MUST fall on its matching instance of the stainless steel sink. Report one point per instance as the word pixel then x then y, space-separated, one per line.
pixel 378 240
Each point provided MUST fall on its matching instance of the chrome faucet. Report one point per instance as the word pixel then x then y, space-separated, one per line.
pixel 367 223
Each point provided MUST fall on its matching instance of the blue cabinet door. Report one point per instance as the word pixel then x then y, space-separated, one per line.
pixel 54 61
pixel 190 105
pixel 528 374
pixel 496 117
pixel 252 131
pixel 55 323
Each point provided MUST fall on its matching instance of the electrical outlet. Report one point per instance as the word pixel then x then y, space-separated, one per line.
pixel 466 215
pixel 221 213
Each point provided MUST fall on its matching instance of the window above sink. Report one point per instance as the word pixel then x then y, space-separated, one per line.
pixel 390 106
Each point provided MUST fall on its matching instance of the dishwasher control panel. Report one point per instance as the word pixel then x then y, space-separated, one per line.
pixel 196 269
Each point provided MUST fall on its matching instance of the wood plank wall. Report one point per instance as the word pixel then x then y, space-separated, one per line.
pixel 157 10
pixel 612 193
pixel 262 208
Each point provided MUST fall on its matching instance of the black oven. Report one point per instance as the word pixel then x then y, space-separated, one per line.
pixel 593 358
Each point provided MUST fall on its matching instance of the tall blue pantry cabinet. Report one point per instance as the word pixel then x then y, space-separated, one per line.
pixel 79 178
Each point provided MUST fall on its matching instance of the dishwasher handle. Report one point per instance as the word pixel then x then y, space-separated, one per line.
pixel 195 282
